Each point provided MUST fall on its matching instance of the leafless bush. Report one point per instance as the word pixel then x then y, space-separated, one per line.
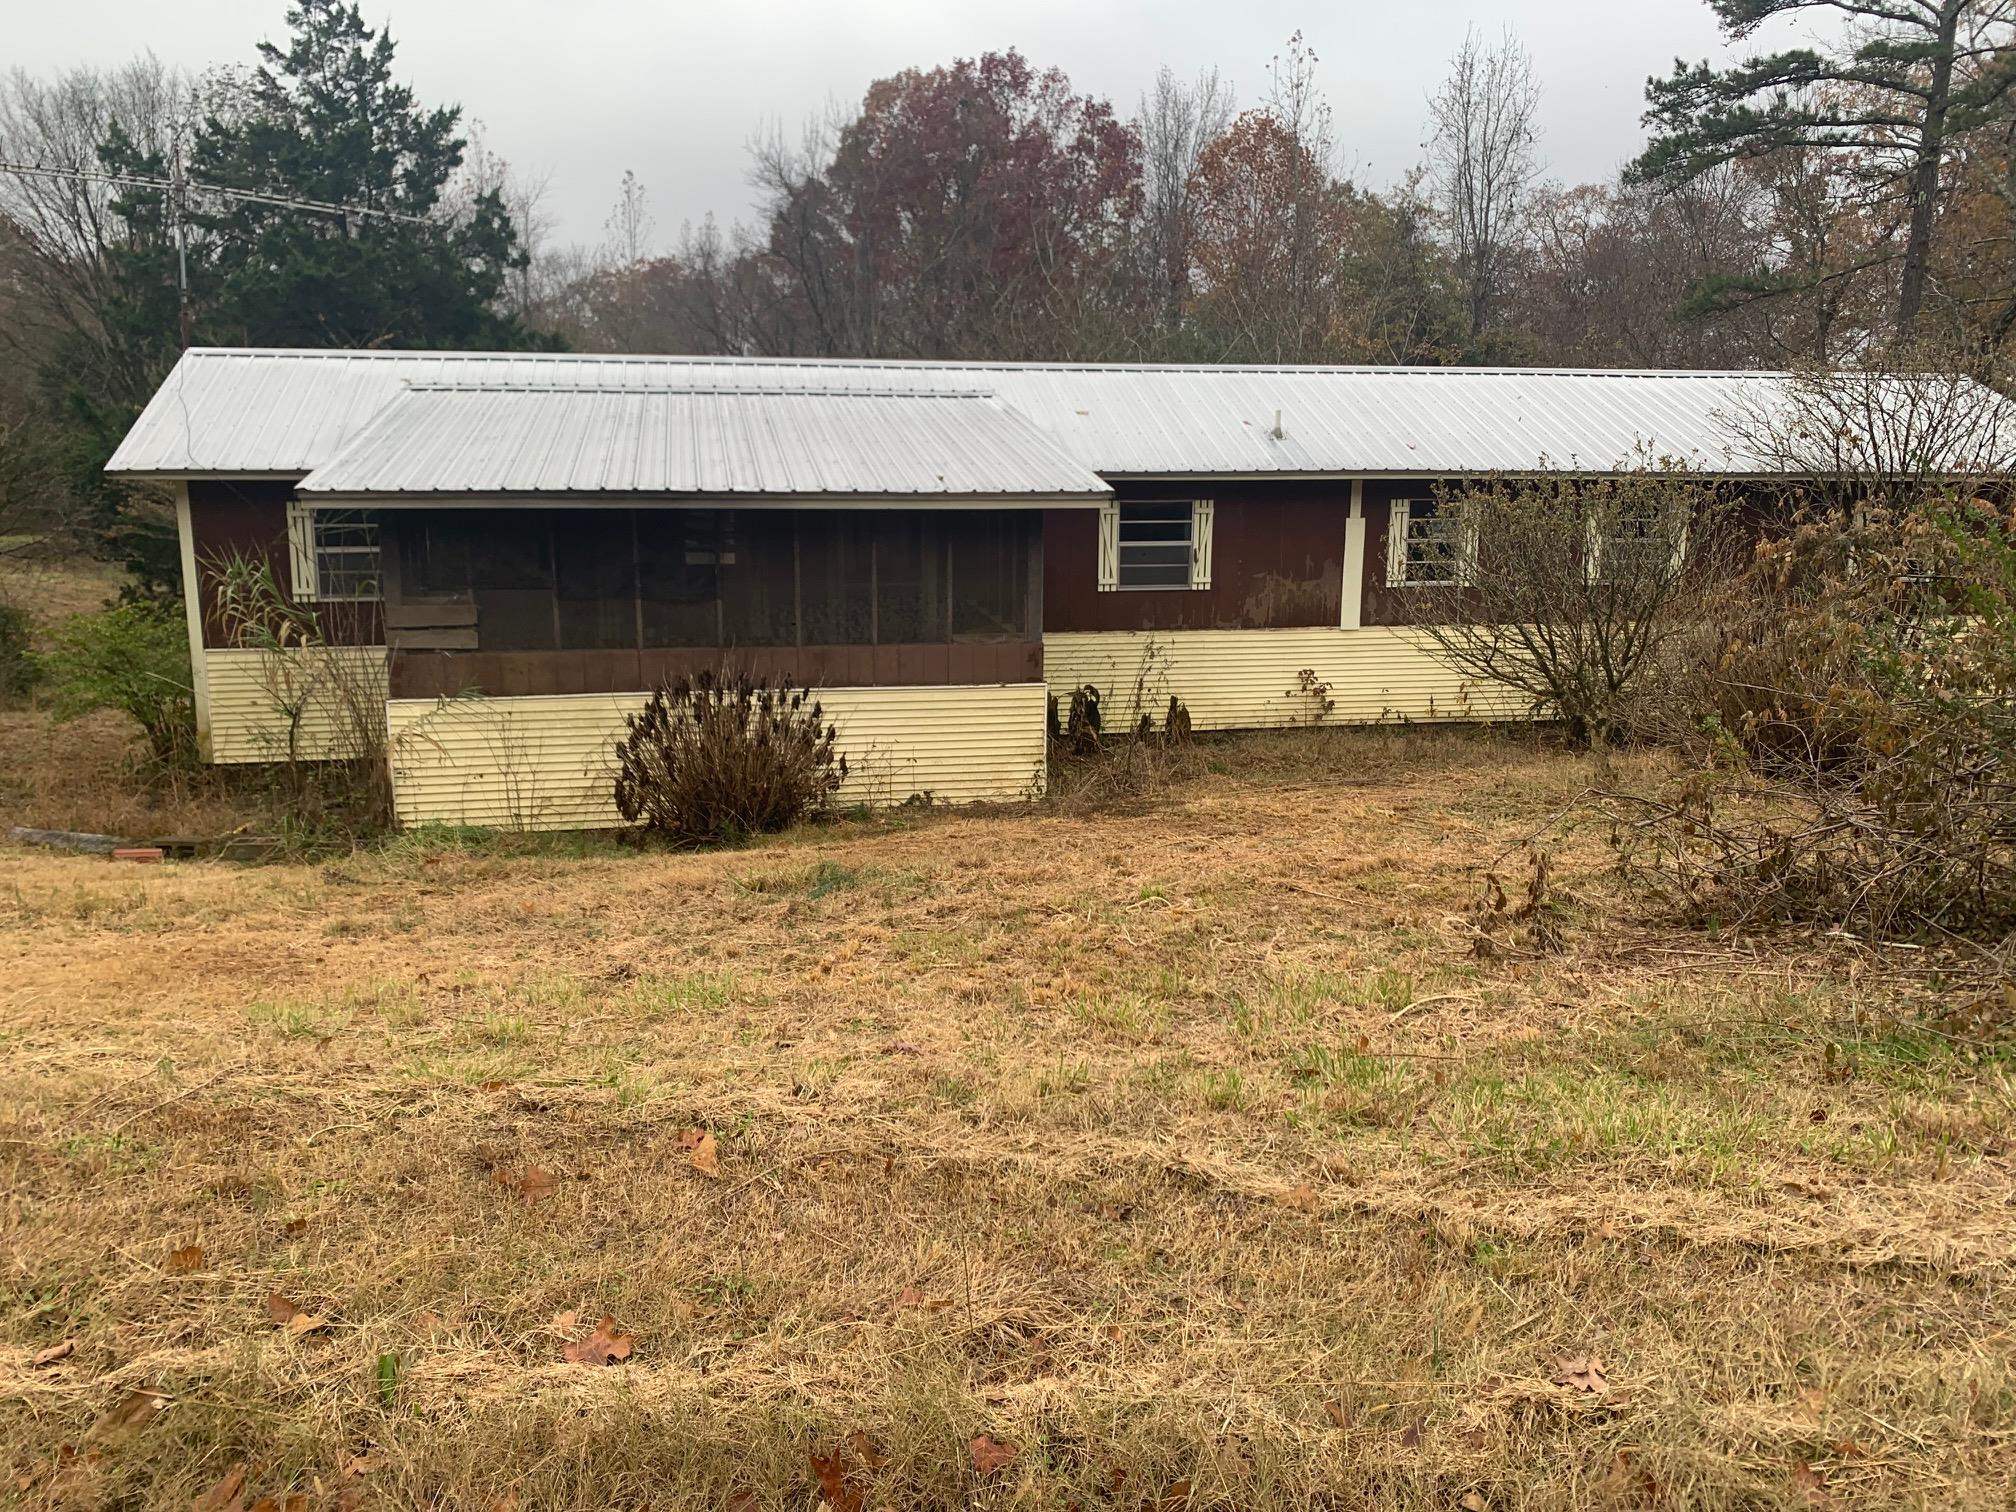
pixel 1107 748
pixel 323 687
pixel 1574 593
pixel 723 756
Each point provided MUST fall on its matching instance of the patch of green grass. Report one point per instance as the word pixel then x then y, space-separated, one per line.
pixel 686 992
pixel 1131 1016
pixel 298 1020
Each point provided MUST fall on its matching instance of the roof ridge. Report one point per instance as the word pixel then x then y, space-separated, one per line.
pixel 906 364
pixel 808 391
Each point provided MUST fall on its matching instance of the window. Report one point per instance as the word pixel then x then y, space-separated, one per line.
pixel 1641 541
pixel 1164 544
pixel 1428 544
pixel 335 552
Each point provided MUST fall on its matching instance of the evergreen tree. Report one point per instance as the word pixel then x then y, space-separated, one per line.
pixel 320 119
pixel 1911 79
pixel 323 119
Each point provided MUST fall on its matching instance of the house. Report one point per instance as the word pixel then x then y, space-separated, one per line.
pixel 520 546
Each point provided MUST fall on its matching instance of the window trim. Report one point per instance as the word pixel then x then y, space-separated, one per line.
pixel 1400 520
pixel 1203 526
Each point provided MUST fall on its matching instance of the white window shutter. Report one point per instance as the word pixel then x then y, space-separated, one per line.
pixel 301 550
pixel 1396 545
pixel 1466 561
pixel 1109 545
pixel 1200 543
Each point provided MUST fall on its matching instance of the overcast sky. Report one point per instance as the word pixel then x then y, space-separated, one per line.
pixel 579 90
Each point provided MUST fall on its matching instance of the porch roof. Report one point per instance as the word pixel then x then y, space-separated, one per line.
pixel 454 441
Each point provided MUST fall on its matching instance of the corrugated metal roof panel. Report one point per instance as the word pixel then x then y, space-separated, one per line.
pixel 288 412
pixel 544 439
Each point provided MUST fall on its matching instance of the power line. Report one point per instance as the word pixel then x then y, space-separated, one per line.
pixel 187 186
pixel 178 186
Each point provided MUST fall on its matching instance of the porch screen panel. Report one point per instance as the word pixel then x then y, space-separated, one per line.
pixel 679 575
pixel 595 579
pixel 836 577
pixel 909 578
pixel 512 568
pixel 991 598
pixel 759 592
pixel 435 554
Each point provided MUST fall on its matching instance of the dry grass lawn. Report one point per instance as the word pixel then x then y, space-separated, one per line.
pixel 1188 1158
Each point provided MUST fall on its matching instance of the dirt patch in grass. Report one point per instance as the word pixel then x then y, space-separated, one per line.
pixel 1193 1153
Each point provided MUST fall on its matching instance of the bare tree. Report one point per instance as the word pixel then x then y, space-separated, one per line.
pixel 1482 161
pixel 66 223
pixel 1177 122
pixel 532 289
pixel 1570 593
pixel 630 222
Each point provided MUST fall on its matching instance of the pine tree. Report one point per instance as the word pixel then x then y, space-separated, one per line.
pixel 1912 78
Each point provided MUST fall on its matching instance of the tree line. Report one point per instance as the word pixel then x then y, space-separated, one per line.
pixel 1818 204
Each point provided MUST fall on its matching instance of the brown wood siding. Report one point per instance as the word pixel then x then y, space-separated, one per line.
pixel 518 674
pixel 1277 555
pixel 248 517
pixel 1382 605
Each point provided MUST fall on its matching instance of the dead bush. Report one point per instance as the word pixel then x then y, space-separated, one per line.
pixel 1854 748
pixel 1091 770
pixel 726 755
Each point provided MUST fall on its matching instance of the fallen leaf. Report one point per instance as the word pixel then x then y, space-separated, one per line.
pixel 281 1309
pixel 532 1184
pixel 1303 1197
pixel 1336 1413
pixel 605 1346
pixel 226 1495
pixel 293 1501
pixel 743 1501
pixel 54 1353
pixel 1580 1373
pixel 830 1470
pixel 701 1151
pixel 1174 1498
pixel 1410 1436
pixel 306 1323
pixel 565 1322
pixel 1810 1484
pixel 991 1454
pixel 186 1259
pixel 362 1464
pixel 871 1458
pixel 294 1228
pixel 1473 1501
pixel 134 1411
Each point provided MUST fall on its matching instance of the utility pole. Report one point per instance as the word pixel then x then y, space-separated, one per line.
pixel 178 213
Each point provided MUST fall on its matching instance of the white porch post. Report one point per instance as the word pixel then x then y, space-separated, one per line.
pixel 192 609
pixel 1354 559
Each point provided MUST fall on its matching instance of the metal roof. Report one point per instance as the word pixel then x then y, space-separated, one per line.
pixel 452 439
pixel 289 412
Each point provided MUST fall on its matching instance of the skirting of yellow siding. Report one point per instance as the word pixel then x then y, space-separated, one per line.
pixel 249 689
pixel 546 762
pixel 1251 679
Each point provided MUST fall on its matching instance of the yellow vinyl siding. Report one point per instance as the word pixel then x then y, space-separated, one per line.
pixel 1247 679
pixel 546 762
pixel 246 720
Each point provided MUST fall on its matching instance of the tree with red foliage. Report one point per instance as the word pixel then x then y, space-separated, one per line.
pixel 975 209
